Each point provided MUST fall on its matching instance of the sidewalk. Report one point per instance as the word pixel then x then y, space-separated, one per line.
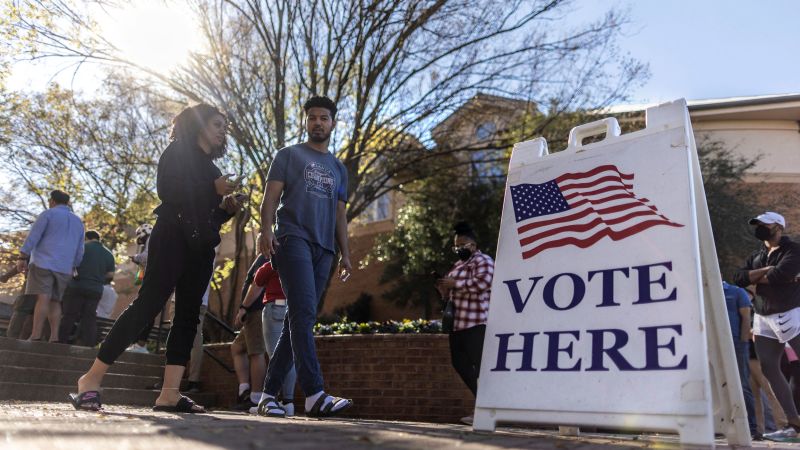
pixel 26 425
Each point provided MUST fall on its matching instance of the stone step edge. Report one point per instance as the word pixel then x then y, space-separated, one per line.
pixel 77 373
pixel 118 391
pixel 116 364
pixel 75 351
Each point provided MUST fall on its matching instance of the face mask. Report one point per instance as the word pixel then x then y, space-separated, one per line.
pixel 464 253
pixel 762 233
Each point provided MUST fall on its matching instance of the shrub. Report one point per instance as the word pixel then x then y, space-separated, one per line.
pixel 419 326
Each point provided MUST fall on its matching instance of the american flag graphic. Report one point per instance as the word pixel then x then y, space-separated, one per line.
pixel 580 209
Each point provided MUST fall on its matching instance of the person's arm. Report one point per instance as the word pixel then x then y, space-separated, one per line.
pixel 272 196
pixel 787 268
pixel 251 275
pixel 34 236
pixel 111 267
pixel 79 251
pixel 481 279
pixel 744 323
pixel 759 276
pixel 141 258
pixel 253 292
pixel 341 239
pixel 741 277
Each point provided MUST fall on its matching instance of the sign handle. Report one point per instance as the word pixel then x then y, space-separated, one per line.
pixel 609 126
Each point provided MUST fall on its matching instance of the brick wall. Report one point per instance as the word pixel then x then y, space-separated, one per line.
pixel 389 376
pixel 366 280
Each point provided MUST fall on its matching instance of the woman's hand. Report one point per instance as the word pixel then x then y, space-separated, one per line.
pixel 224 186
pixel 445 285
pixel 230 204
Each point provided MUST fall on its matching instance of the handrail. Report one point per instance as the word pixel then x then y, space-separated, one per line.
pixel 222 324
pixel 227 328
pixel 218 361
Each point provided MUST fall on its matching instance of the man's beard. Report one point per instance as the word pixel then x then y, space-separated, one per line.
pixel 324 138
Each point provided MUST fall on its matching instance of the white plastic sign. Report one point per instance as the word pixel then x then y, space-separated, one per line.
pixel 601 287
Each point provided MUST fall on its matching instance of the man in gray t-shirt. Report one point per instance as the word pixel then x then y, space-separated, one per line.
pixel 313 185
pixel 306 200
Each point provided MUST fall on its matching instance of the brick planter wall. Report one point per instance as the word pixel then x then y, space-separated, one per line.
pixel 388 376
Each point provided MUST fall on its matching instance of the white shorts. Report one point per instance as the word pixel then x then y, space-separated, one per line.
pixel 781 327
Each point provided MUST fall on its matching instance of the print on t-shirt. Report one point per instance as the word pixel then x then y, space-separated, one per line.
pixel 319 180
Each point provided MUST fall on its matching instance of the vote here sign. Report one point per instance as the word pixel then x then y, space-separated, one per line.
pixel 596 308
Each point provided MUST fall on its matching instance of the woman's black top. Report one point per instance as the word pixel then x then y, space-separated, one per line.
pixel 185 185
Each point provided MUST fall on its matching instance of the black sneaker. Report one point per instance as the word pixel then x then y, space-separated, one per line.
pixel 243 402
pixel 756 436
pixel 192 387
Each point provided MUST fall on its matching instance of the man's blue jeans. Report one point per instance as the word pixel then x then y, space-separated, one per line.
pixel 742 350
pixel 303 268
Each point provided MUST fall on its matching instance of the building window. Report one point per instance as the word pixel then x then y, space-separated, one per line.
pixel 485 131
pixel 489 163
pixel 379 209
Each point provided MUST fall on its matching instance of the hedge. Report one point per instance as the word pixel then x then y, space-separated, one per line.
pixel 419 326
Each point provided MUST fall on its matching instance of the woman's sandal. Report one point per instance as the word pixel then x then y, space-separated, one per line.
pixel 328 410
pixel 184 405
pixel 86 401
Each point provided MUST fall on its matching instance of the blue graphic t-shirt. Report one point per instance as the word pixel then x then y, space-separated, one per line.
pixel 314 183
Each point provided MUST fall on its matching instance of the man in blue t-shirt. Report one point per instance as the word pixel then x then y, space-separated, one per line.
pixel 738 305
pixel 305 199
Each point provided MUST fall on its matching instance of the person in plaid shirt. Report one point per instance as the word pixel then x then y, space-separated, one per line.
pixel 469 285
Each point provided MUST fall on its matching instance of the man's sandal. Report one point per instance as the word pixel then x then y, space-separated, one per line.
pixel 333 407
pixel 86 401
pixel 184 405
pixel 269 407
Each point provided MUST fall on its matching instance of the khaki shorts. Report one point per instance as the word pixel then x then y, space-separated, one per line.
pixel 43 281
pixel 252 335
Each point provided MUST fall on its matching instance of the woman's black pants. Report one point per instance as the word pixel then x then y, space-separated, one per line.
pixel 466 348
pixel 171 265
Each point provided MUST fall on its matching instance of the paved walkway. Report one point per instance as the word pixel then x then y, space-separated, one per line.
pixel 25 425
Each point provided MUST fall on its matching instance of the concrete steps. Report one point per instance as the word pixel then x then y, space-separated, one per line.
pixel 40 371
pixel 109 396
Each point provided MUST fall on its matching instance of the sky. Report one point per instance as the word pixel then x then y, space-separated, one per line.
pixel 696 49
pixel 702 49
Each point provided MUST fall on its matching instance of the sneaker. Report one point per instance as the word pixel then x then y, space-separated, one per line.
pixel 288 407
pixel 466 420
pixel 782 435
pixel 192 387
pixel 243 402
pixel 756 436
pixel 136 348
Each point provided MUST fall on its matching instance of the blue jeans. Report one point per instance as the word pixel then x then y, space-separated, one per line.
pixel 742 350
pixel 303 268
pixel 272 317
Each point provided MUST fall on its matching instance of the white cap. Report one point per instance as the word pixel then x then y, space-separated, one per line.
pixel 768 218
